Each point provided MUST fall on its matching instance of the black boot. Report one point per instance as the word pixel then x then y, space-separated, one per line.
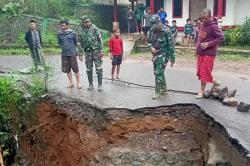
pixel 243 107
pixel 90 78
pixel 99 77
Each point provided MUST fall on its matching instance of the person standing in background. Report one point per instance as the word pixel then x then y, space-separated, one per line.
pixel 34 40
pixel 131 24
pixel 174 30
pixel 146 24
pixel 188 31
pixel 139 12
pixel 163 15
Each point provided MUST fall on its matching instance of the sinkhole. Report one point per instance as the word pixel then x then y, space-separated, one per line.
pixel 74 133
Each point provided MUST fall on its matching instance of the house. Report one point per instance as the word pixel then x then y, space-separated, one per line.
pixel 111 2
pixel 231 12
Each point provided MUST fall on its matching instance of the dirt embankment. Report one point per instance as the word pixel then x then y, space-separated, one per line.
pixel 75 133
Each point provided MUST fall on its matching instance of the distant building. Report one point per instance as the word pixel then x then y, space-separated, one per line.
pixel 232 12
pixel 111 2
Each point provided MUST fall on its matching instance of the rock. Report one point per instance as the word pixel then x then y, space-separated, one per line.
pixel 219 92
pixel 155 159
pixel 136 163
pixel 231 102
pixel 172 158
pixel 228 95
pixel 190 156
pixel 27 96
pixel 217 83
pixel 141 156
pixel 243 107
pixel 232 93
pixel 127 158
pixel 96 158
pixel 165 148
pixel 215 92
pixel 207 94
pixel 222 93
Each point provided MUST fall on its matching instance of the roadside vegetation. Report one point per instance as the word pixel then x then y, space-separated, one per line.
pixel 17 102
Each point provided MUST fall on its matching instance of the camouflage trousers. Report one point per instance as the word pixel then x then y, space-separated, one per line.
pixel 93 57
pixel 159 63
pixel 37 57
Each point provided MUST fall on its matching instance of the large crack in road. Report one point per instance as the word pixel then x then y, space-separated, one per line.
pixel 76 133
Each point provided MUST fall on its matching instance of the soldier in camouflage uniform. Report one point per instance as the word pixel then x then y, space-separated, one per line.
pixel 162 48
pixel 91 44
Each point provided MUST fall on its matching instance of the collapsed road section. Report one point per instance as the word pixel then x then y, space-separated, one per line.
pixel 71 132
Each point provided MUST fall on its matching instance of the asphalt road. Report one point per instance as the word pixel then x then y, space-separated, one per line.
pixel 121 95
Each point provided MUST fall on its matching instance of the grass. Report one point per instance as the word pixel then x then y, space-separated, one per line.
pixel 26 51
pixel 237 47
pixel 233 57
pixel 222 56
pixel 190 54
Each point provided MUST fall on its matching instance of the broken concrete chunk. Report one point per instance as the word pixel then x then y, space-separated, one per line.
pixel 228 95
pixel 223 92
pixel 232 93
pixel 231 102
pixel 207 94
pixel 215 94
pixel 243 107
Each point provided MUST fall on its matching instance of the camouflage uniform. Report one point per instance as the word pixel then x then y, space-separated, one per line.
pixel 91 44
pixel 161 40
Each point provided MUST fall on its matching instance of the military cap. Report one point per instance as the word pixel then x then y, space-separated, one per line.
pixel 155 19
pixel 85 18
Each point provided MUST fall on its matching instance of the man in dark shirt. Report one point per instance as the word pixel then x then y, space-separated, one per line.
pixel 34 40
pixel 68 43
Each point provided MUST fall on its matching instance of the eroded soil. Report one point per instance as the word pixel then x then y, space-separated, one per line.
pixel 75 133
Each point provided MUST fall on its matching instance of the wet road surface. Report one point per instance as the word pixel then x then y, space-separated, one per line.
pixel 122 95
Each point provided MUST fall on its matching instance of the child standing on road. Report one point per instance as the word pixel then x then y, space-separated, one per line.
pixel 116 52
pixel 174 31
pixel 195 31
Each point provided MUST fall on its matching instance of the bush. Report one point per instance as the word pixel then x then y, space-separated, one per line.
pixel 245 29
pixel 49 39
pixel 10 9
pixel 233 37
pixel 240 36
pixel 10 101
pixel 17 102
pixel 20 41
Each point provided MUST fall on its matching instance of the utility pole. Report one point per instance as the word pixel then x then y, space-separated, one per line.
pixel 115 11
pixel 132 4
pixel 115 23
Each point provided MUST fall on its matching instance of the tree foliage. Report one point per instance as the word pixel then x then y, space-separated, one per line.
pixel 240 36
pixel 9 9
pixel 52 8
